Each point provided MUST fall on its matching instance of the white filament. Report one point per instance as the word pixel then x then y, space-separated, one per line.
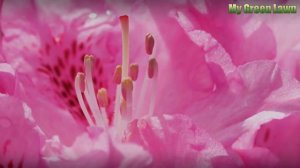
pixel 81 102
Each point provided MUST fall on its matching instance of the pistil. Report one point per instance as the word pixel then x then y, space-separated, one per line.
pixel 126 87
pixel 125 45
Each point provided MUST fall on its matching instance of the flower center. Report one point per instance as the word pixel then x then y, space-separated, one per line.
pixel 69 56
pixel 94 106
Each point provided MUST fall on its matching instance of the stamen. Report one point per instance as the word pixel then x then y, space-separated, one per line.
pixel 149 44
pixel 88 61
pixel 152 74
pixel 123 76
pixel 81 79
pixel 79 88
pixel 122 118
pixel 103 101
pixel 152 81
pixel 125 45
pixel 127 88
pixel 117 77
pixel 152 71
pixel 152 68
pixel 134 71
pixel 102 97
pixel 90 95
pixel 117 115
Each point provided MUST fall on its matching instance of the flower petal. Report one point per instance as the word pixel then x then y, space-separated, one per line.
pixel 175 140
pixel 20 142
pixel 96 149
pixel 281 138
pixel 7 79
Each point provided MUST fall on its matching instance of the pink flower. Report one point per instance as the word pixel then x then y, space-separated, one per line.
pixel 184 103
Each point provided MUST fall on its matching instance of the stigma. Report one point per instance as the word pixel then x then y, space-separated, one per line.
pixel 95 105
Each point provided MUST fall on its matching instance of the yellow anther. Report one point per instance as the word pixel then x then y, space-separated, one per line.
pixel 102 97
pixel 88 60
pixel 81 78
pixel 127 87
